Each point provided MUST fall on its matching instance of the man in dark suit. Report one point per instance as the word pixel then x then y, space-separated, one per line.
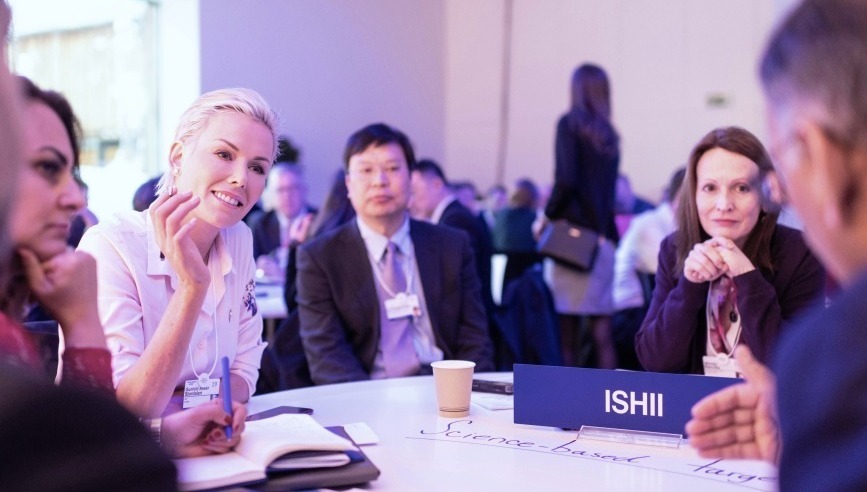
pixel 383 295
pixel 810 414
pixel 433 200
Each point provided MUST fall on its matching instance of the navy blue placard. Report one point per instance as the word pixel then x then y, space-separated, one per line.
pixel 570 397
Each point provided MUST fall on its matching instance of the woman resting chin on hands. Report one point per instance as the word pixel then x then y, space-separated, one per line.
pixel 713 258
pixel 176 282
pixel 730 274
pixel 46 270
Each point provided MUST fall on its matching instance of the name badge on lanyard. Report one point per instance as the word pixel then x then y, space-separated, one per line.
pixel 202 390
pixel 723 329
pixel 402 305
pixel 721 365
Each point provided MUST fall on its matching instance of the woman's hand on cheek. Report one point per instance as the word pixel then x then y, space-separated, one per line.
pixel 737 261
pixel 172 226
pixel 65 285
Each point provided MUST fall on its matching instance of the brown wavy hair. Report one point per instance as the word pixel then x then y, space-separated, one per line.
pixel 589 116
pixel 690 232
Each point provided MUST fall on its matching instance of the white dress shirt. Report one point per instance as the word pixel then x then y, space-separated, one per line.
pixel 135 285
pixel 286 224
pixel 638 251
pixel 422 337
pixel 440 208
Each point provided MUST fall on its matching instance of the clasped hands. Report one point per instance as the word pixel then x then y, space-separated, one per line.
pixel 714 258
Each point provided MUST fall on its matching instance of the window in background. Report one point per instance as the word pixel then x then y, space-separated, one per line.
pixel 101 54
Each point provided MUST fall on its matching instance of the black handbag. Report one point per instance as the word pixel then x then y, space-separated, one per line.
pixel 568 243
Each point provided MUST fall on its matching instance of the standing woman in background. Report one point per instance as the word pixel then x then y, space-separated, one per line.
pixel 176 282
pixel 587 160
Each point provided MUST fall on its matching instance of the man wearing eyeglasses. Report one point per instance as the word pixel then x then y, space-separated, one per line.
pixel 385 296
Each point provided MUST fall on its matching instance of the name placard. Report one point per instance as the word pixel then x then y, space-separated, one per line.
pixel 570 397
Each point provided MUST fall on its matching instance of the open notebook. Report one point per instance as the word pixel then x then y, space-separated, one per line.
pixel 360 470
pixel 263 442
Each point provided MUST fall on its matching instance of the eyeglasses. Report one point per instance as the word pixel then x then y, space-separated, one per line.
pixel 368 171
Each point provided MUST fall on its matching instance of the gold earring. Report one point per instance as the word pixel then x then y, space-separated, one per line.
pixel 176 172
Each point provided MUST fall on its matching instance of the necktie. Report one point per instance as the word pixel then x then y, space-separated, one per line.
pixel 392 273
pixel 398 352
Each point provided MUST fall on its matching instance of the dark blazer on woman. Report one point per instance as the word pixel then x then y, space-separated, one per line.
pixel 339 308
pixel 584 183
pixel 673 336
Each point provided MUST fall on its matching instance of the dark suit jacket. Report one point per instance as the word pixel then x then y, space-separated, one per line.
pixel 457 216
pixel 821 398
pixel 266 232
pixel 673 336
pixel 339 308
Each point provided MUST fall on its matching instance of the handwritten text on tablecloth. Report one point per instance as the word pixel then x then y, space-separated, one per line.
pixel 717 470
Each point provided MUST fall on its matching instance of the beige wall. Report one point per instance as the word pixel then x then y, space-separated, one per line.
pixel 435 69
pixel 665 59
pixel 330 67
pixel 180 68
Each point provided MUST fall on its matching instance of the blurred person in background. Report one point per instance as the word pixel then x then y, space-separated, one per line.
pixel 513 230
pixel 145 195
pixel 287 220
pixel 635 265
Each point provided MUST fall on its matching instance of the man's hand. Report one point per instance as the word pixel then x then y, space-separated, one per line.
pixel 740 421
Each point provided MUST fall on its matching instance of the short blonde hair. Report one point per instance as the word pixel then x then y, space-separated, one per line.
pixel 240 100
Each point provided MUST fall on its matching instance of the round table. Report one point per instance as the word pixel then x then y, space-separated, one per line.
pixel 420 451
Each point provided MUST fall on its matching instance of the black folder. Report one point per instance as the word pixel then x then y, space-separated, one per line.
pixel 360 470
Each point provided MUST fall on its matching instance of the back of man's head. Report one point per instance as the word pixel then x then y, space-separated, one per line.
pixel 430 169
pixel 526 195
pixel 816 61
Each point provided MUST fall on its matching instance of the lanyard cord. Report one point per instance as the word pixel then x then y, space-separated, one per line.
pixel 728 352
pixel 216 335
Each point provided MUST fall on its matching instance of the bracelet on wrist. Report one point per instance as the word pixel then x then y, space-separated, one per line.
pixel 155 427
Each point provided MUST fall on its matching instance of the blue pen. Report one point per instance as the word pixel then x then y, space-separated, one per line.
pixel 227 394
